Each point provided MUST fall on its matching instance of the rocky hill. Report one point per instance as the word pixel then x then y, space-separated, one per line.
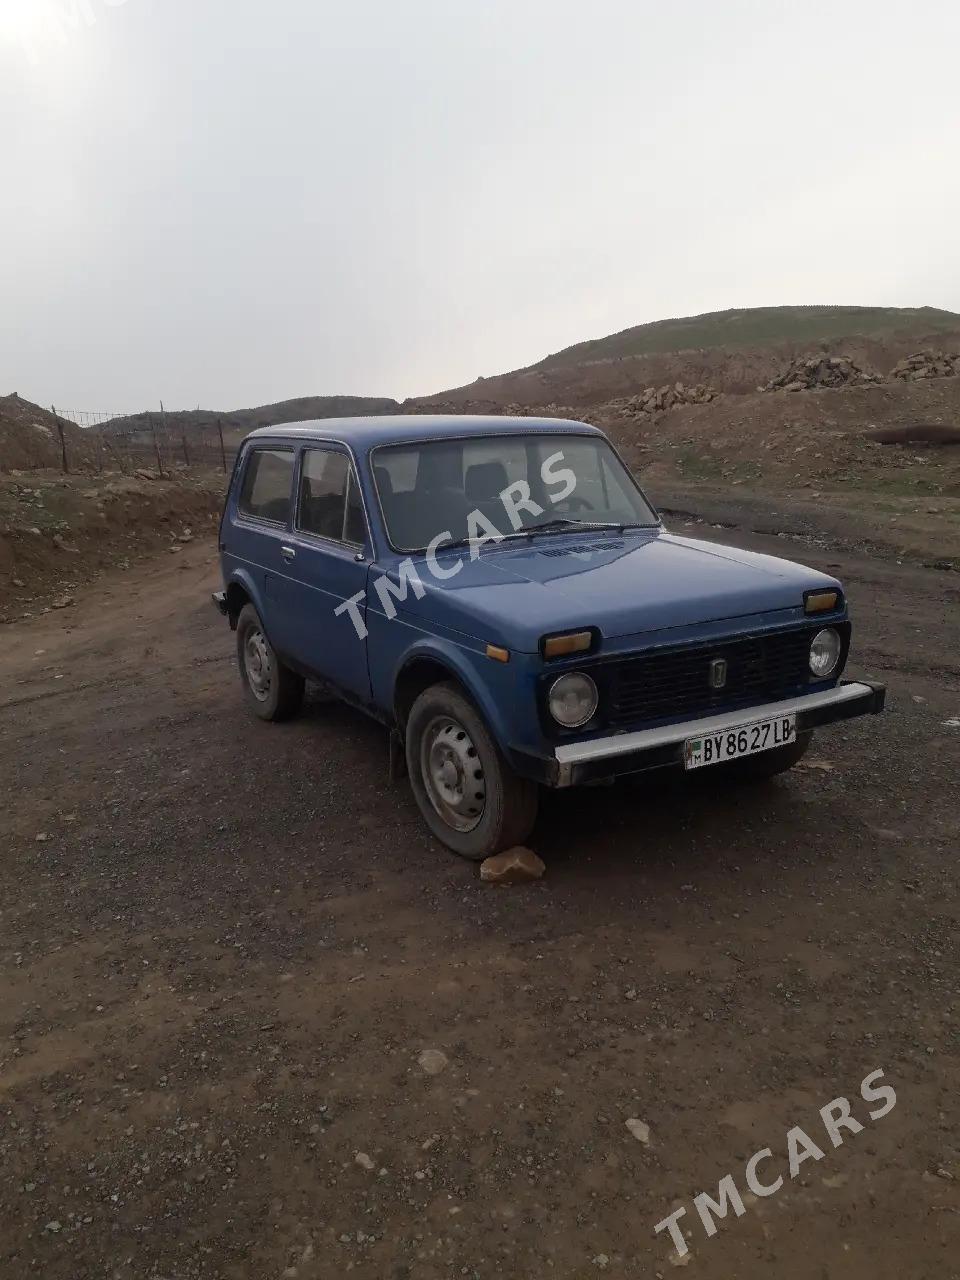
pixel 237 422
pixel 757 327
pixel 731 351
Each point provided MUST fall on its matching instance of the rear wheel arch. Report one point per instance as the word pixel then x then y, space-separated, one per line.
pixel 237 597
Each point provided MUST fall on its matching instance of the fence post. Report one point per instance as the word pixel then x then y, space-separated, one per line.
pixel 223 455
pixel 156 441
pixel 186 451
pixel 63 442
pixel 100 449
pixel 115 450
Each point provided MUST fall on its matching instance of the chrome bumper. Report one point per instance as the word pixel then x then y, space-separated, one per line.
pixel 649 748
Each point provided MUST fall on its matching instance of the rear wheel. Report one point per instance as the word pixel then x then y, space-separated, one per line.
pixel 469 796
pixel 273 691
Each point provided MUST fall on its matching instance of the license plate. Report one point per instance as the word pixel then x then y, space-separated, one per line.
pixel 742 740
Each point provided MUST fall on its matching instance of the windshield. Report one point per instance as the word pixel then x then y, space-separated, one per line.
pixel 502 486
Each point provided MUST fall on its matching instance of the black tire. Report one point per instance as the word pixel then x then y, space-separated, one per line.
pixel 509 803
pixel 766 764
pixel 273 692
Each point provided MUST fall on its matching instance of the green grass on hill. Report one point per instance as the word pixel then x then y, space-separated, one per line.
pixel 756 327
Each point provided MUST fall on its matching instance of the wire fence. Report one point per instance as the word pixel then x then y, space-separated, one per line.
pixel 90 417
pixel 145 441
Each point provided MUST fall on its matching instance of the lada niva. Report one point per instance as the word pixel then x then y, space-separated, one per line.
pixel 499 593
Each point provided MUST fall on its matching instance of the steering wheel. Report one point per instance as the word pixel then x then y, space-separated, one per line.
pixel 573 503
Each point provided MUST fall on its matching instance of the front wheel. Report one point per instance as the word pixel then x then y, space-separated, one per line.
pixel 469 796
pixel 273 691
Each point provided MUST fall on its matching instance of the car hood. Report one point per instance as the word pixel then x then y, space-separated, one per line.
pixel 518 591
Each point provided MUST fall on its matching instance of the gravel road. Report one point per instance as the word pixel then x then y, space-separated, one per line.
pixel 254 1022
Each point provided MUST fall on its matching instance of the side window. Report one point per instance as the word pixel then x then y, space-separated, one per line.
pixel 329 501
pixel 265 491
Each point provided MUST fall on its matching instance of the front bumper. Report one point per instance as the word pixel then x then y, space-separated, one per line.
pixel 599 759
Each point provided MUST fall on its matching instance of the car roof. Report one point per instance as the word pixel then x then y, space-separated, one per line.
pixel 367 433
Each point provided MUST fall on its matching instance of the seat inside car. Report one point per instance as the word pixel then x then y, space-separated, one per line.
pixel 322 515
pixel 485 480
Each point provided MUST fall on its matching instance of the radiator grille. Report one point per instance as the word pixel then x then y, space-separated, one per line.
pixel 668 683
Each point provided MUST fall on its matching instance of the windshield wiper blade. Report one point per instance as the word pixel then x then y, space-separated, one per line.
pixel 547 526
pixel 565 522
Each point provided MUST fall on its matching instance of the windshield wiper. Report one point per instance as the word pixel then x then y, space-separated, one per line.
pixel 567 522
pixel 547 526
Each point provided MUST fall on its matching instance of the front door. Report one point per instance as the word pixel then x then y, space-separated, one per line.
pixel 327 556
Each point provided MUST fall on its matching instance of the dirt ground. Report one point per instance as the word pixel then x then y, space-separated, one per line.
pixel 226 945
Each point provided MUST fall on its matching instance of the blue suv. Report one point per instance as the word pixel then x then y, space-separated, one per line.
pixel 500 594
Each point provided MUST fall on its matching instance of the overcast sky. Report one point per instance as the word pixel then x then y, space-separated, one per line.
pixel 229 202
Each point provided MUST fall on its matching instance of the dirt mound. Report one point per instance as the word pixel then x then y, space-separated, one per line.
pixel 820 371
pixel 60 531
pixel 30 439
pixel 926 364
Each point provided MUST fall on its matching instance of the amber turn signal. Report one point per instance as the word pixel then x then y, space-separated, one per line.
pixel 820 601
pixel 497 654
pixel 575 642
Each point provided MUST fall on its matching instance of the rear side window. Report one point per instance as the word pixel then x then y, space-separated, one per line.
pixel 265 491
pixel 329 501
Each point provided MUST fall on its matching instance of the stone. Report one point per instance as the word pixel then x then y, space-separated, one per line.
pixel 364 1161
pixel 432 1061
pixel 516 866
pixel 64 602
pixel 639 1129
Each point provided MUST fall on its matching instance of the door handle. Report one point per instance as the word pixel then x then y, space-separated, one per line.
pixel 288 554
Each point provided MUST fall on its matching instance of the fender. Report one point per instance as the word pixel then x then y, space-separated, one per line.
pixel 243 578
pixel 463 665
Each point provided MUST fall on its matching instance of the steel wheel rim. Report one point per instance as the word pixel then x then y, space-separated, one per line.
pixel 258 664
pixel 452 773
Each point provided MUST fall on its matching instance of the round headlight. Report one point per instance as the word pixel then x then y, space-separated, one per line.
pixel 572 699
pixel 825 653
